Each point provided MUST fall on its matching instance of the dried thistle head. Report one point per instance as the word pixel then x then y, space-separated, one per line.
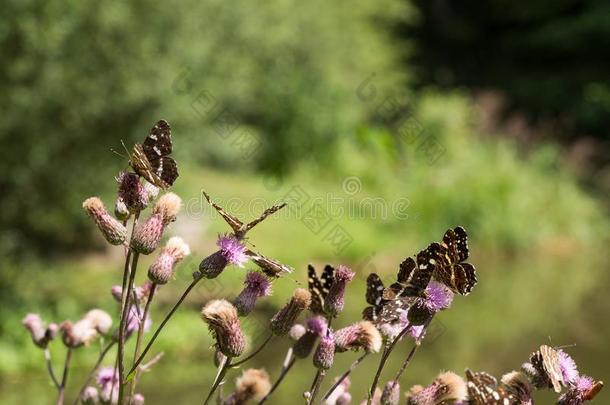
pixel 41 334
pixel 361 335
pixel 447 386
pixel 221 317
pixel 253 384
pixel 147 235
pixel 283 320
pixel 114 231
pixel 168 206
pixel 100 320
pixel 519 385
pixel 162 269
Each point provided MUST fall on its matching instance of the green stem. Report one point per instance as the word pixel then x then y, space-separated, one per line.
pixel 64 379
pixel 125 321
pixel 345 375
pixel 47 359
pixel 290 360
pixel 219 377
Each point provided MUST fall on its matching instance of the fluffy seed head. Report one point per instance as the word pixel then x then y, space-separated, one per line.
pixel 256 285
pixel 447 386
pixel 132 192
pixel 100 320
pixel 253 384
pixel 114 231
pixel 335 300
pixel 78 334
pixel 391 393
pixel 90 396
pixel 168 207
pixel 325 352
pixel 520 385
pixel 41 335
pixel 162 269
pixel 283 320
pixel 361 335
pixel 221 317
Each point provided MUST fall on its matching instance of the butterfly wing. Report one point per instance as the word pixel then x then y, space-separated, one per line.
pixel 264 215
pixel 150 159
pixel 233 222
pixel 166 169
pixel 374 297
pixel 142 166
pixel 448 257
pixel 550 362
pixel 315 288
pixel 483 389
pixel 158 143
pixel 269 266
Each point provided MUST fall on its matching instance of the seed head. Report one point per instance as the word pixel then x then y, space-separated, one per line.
pixel 252 385
pixel 100 320
pixel 335 300
pixel 256 286
pixel 520 385
pixel 41 335
pixel 114 231
pixel 447 386
pixel 221 317
pixel 283 320
pixel 168 207
pixel 162 269
pixel 361 335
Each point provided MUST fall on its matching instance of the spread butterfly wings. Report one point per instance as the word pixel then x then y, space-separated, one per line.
pixel 483 389
pixel 381 310
pixel 319 286
pixel 413 276
pixel 150 159
pixel 269 266
pixel 449 258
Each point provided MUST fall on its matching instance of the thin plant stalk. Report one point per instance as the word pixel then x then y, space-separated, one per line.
pixel 64 379
pixel 161 326
pixel 222 371
pixel 407 361
pixel 97 364
pixel 315 387
pixel 257 351
pixel 47 359
pixel 288 363
pixel 136 353
pixel 345 375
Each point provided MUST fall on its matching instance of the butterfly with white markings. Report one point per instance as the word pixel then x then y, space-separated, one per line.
pixel 151 159
pixel 319 286
pixel 449 258
pixel 381 310
pixel 269 266
pixel 483 389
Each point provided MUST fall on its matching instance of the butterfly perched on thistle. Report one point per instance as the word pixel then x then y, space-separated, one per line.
pixel 382 310
pixel 413 276
pixel 483 389
pixel 546 362
pixel 319 286
pixel 151 159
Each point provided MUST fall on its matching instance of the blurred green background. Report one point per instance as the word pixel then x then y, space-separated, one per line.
pixel 399 118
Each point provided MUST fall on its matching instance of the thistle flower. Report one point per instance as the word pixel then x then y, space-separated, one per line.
pixel 297 331
pixel 41 335
pixel 141 291
pixel 132 192
pixel 519 385
pixel 447 386
pixel 567 366
pixel 147 235
pixel 90 396
pixel 162 269
pixel 134 318
pixel 359 335
pixel 325 352
pixel 437 297
pixel 231 251
pixel 114 231
pixel 283 320
pixel 316 327
pixel 252 385
pixel 221 317
pixel 138 399
pixel 100 320
pixel 391 393
pixel 108 383
pixel 256 286
pixel 582 389
pixel 335 300
pixel 78 334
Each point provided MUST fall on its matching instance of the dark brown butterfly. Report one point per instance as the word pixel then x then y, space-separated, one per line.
pixel 413 277
pixel 239 228
pixel 448 258
pixel 270 267
pixel 151 159
pixel 319 286
pixel 381 310
pixel 483 389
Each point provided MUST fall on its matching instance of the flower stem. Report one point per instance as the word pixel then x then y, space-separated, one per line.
pixel 257 351
pixel 136 353
pixel 224 367
pixel 64 378
pixel 161 325
pixel 47 359
pixel 407 361
pixel 315 386
pixel 123 326
pixel 101 357
pixel 345 375
pixel 288 363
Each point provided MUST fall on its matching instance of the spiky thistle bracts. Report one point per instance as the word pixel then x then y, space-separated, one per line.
pixel 162 269
pixel 223 321
pixel 256 285
pixel 361 335
pixel 147 235
pixel 283 320
pixel 447 386
pixel 335 299
pixel 114 231
pixel 324 355
pixel 253 384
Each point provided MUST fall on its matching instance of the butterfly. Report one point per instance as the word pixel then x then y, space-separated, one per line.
pixel 151 159
pixel 319 286
pixel 239 228
pixel 448 258
pixel 270 267
pixel 413 276
pixel 381 310
pixel 546 360
pixel 483 389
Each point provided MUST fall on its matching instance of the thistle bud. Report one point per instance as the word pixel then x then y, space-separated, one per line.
pixel 162 269
pixel 335 300
pixel 283 320
pixel 132 192
pixel 391 393
pixel 231 251
pixel 316 327
pixel 325 352
pixel 253 384
pixel 446 387
pixel 108 383
pixel 41 335
pixel 114 231
pixel 361 335
pixel 90 396
pixel 147 235
pixel 256 286
pixel 100 320
pixel 221 317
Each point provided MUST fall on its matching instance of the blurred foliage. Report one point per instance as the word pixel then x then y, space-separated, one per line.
pixel 547 56
pixel 77 77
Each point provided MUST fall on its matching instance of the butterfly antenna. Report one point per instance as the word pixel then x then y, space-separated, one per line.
pixel 125 147
pixel 117 153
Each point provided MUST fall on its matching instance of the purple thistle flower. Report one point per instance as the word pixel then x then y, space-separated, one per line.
pixel 256 286
pixel 108 382
pixel 325 352
pixel 232 251
pixel 316 327
pixel 438 296
pixel 131 192
pixel 335 300
pixel 583 388
pixel 567 366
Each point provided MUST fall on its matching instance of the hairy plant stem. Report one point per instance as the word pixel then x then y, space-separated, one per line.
pixel 162 325
pixel 315 386
pixel 64 379
pixel 136 353
pixel 222 370
pixel 47 359
pixel 257 351
pixel 101 357
pixel 345 375
pixel 288 363
pixel 407 361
